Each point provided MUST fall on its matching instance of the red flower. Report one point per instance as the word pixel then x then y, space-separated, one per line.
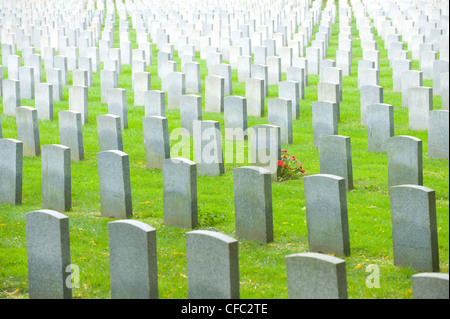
pixel 293 157
pixel 284 151
pixel 302 170
pixel 280 163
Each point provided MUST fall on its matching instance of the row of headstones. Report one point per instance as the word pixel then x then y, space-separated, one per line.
pixel 327 228
pixel 212 264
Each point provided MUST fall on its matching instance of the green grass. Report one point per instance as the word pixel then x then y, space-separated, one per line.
pixel 262 266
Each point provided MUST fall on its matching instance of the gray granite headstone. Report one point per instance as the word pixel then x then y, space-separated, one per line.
pixel 180 192
pixel 265 147
pixel 324 120
pixel 156 140
pixel 115 187
pixel 212 262
pixel 208 148
pixel 11 96
pixel 235 117
pixel 176 88
pixel 253 203
pixel 430 285
pixel 414 228
pixel 316 276
pixel 254 93
pixel 11 166
pixel 190 111
pixel 28 130
pixel 280 114
pixel 44 101
pixel 369 94
pixel 438 134
pixel 326 214
pixel 420 100
pixel 48 254
pixel 56 177
pixel 71 133
pixel 214 93
pixel 78 101
pixel 380 126
pixel 109 133
pixel 117 105
pixel 404 160
pixel 291 90
pixel 132 260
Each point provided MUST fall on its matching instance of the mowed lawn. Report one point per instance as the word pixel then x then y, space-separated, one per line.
pixel 261 266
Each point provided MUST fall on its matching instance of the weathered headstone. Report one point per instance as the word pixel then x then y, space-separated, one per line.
pixel 56 177
pixel 132 246
pixel 190 111
pixel 380 126
pixel 438 134
pixel 71 133
pixel 156 140
pixel 369 95
pixel 324 120
pixel 11 166
pixel 291 90
pixel 265 147
pixel 117 105
pixel 115 187
pixel 414 228
pixel 48 254
pixel 78 102
pixel 28 130
pixel 214 93
pixel 404 160
pixel 155 103
pixel 430 285
pixel 410 79
pixel 212 262
pixel 253 203
pixel 280 114
pixel 208 148
pixel 254 93
pixel 180 192
pixel 420 100
pixel 26 79
pixel 326 214
pixel 316 276
pixel 11 96
pixel 176 88
pixel 335 157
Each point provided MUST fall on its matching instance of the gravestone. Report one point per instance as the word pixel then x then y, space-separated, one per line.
pixel 109 133
pixel 190 111
pixel 313 275
pixel 44 101
pixel 235 117
pixel 26 79
pixel 11 96
pixel 48 254
pixel 193 77
pixel 324 120
pixel 297 74
pixel 175 89
pixel 265 147
pixel 404 160
pixel 156 140
pixel 280 114
pixel 214 93
pixel 155 103
pixel 260 72
pixel 380 126
pixel 142 84
pixel 369 95
pixel 180 192
pixel 410 79
pixel 273 69
pixel 254 93
pixel 115 187
pixel 253 203
pixel 291 90
pixel 80 77
pixel 420 100
pixel 71 133
pixel 78 102
pixel 11 167
pixel 117 105
pixel 326 214
pixel 54 77
pixel 208 148
pixel 212 263
pixel 28 130
pixel 398 67
pixel 56 178
pixel 414 228
pixel 109 79
pixel 132 246
pixel 438 134
pixel 444 82
pixel 430 285
pixel 368 76
pixel 335 157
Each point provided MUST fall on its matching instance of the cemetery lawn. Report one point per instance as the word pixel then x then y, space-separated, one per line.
pixel 261 266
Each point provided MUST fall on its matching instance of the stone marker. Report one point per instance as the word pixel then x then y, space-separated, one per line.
pixel 316 276
pixel 28 130
pixel 438 134
pixel 369 95
pixel 445 90
pixel 26 79
pixel 212 263
pixel 117 105
pixel 142 84
pixel 11 96
pixel 380 126
pixel 71 133
pixel 175 89
pixel 420 100
pixel 48 254
pixel 335 157
pixel 155 103
pixel 404 160
pixel 115 187
pixel 324 120
pixel 326 214
pixel 254 93
pixel 265 147
pixel 280 114
pixel 54 77
pixel 11 167
pixel 214 93
pixel 56 177
pixel 291 90
pixel 414 228
pixel 193 77
pixel 109 79
pixel 190 111
pixel 156 140
pixel 410 79
pixel 44 101
pixel 132 260
pixel 109 133
pixel 235 117
pixel 429 285
pixel 208 148
pixel 78 102
pixel 253 203
pixel 180 192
